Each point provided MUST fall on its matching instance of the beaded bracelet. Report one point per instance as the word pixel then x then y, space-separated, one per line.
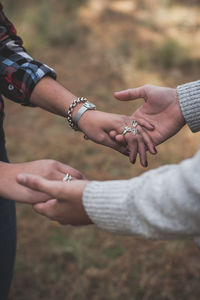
pixel 70 111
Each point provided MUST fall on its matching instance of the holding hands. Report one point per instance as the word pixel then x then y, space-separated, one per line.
pixel 65 199
pixel 48 169
pixel 161 109
pixel 99 126
pixel 156 120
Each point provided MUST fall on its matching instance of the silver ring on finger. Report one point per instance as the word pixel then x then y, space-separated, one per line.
pixel 134 123
pixel 135 131
pixel 127 129
pixel 67 178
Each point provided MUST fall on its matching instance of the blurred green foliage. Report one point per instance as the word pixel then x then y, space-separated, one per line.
pixel 170 54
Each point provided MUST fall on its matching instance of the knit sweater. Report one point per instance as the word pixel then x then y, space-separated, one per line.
pixel 160 204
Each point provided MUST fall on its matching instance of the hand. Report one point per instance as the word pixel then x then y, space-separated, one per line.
pixel 161 109
pixel 50 95
pixel 97 126
pixel 65 205
pixel 48 169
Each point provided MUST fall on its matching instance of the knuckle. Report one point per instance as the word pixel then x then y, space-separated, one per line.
pixel 34 182
pixel 51 166
pixel 53 163
pixel 129 93
pixel 148 88
pixel 101 138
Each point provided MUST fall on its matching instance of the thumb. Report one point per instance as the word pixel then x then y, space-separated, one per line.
pixel 131 94
pixel 40 184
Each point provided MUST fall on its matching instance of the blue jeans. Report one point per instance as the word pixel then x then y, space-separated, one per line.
pixel 7 231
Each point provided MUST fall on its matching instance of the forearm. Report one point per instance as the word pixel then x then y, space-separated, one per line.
pixel 161 204
pixel 52 96
pixel 9 188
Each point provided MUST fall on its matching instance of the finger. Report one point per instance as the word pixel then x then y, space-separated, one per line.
pixel 37 183
pixel 133 153
pixel 131 94
pixel 112 134
pixel 120 138
pixel 73 172
pixel 146 124
pixel 107 141
pixel 132 146
pixel 147 140
pixel 46 209
pixel 142 151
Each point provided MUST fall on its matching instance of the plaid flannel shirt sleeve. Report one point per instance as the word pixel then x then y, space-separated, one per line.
pixel 19 72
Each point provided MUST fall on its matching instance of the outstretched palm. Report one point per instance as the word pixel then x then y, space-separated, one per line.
pixel 161 109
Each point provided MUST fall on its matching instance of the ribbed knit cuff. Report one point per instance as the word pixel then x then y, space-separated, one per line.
pixel 105 205
pixel 189 98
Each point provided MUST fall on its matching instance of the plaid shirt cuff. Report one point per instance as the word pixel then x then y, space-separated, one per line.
pixel 19 73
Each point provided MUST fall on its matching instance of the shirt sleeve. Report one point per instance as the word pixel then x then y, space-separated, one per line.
pixel 19 72
pixel 160 204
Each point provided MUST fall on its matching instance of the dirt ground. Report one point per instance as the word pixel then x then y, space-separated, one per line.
pixel 96 48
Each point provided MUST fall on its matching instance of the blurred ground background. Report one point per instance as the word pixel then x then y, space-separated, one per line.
pixel 98 47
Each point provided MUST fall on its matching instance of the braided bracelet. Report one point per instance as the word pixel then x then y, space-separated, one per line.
pixel 70 111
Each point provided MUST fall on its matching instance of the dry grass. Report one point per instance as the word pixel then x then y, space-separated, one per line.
pixel 113 46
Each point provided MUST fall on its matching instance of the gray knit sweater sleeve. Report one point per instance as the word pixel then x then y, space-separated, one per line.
pixel 160 204
pixel 189 99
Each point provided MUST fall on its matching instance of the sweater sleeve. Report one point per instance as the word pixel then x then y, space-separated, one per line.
pixel 19 72
pixel 189 99
pixel 160 204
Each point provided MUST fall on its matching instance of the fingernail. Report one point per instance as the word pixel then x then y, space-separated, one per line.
pixel 146 164
pixel 155 151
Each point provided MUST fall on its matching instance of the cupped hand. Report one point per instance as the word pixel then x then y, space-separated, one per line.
pixel 161 109
pixel 48 169
pixel 65 205
pixel 98 126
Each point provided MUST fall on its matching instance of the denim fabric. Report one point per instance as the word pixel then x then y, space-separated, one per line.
pixel 7 231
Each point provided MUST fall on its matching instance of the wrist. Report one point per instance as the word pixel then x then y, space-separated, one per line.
pixel 77 109
pixel 87 120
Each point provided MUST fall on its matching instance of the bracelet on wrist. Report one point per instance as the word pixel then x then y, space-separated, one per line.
pixel 71 109
pixel 86 106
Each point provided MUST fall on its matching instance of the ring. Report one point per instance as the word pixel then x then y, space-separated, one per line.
pixel 67 177
pixel 135 131
pixel 127 129
pixel 134 123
